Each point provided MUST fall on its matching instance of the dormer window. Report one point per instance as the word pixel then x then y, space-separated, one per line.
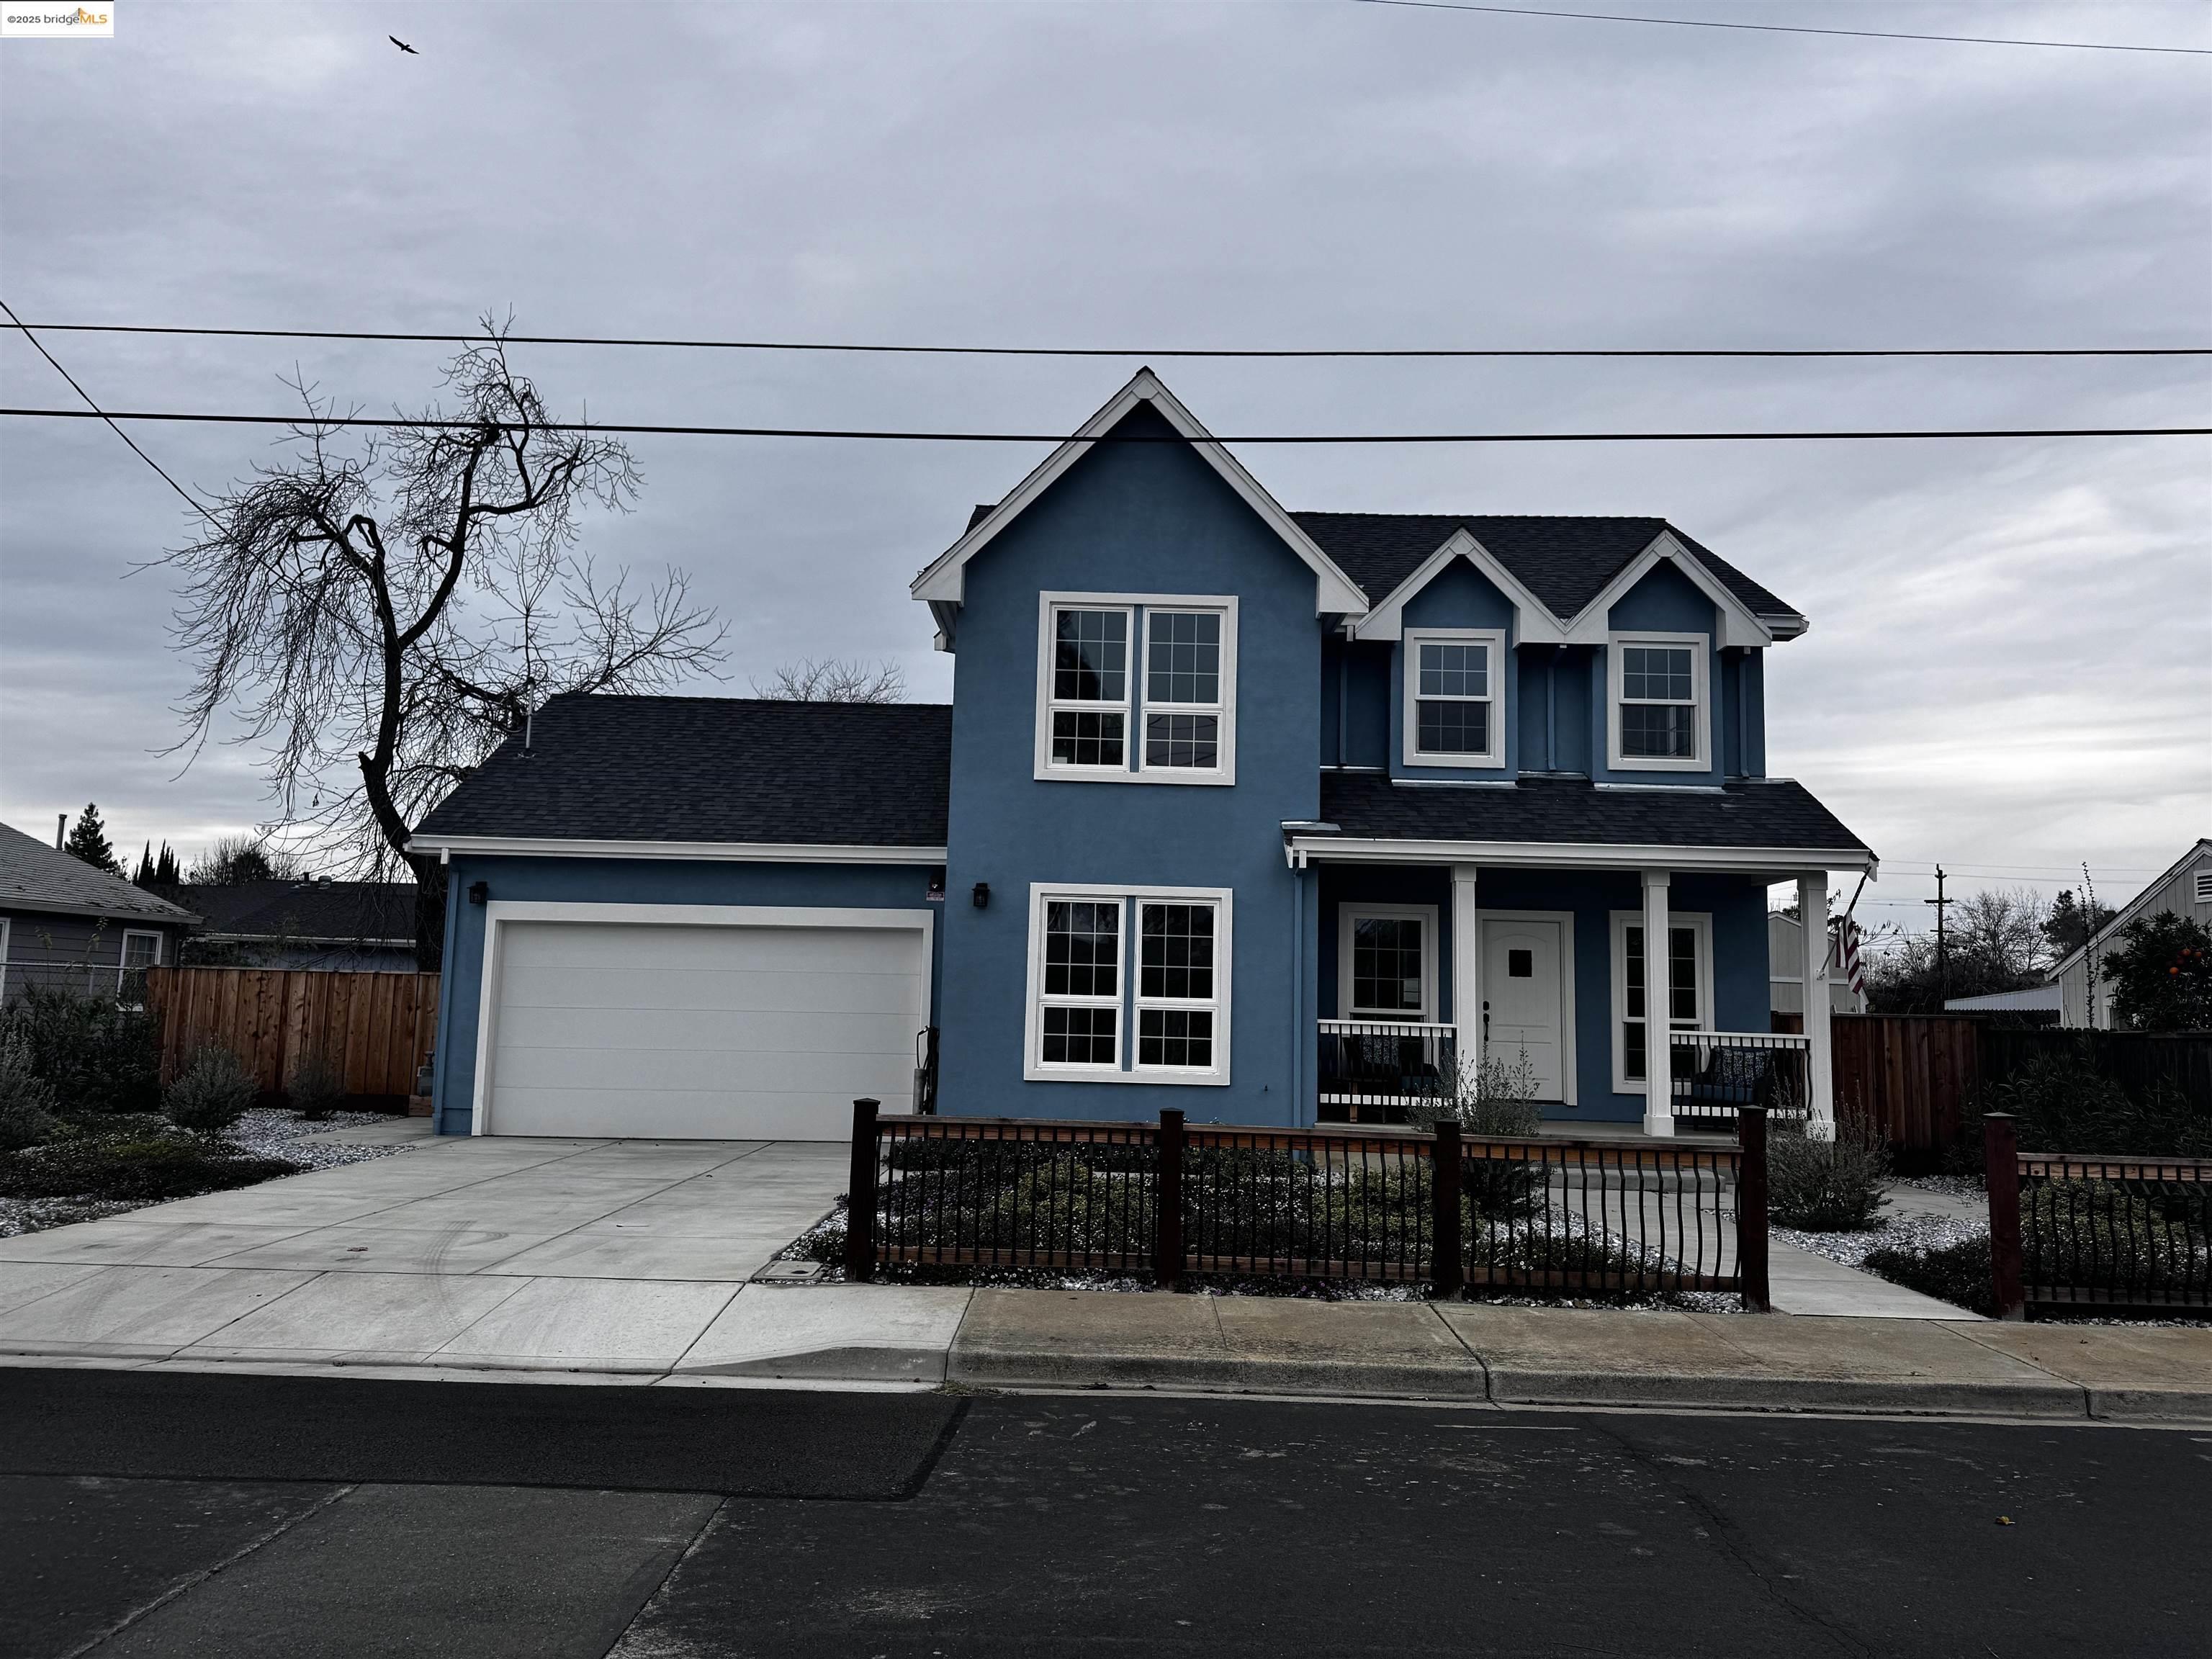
pixel 1455 697
pixel 1137 688
pixel 1661 713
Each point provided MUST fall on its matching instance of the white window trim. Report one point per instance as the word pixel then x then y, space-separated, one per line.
pixel 1701 724
pixel 1492 759
pixel 1041 999
pixel 123 955
pixel 7 932
pixel 1348 917
pixel 2203 890
pixel 1701 923
pixel 1127 983
pixel 1133 706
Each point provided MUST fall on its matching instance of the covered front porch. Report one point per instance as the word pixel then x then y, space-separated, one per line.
pixel 1427 967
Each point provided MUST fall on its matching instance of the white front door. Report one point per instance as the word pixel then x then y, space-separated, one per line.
pixel 1522 998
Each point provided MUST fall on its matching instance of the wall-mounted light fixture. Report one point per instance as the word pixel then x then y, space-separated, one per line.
pixel 982 895
pixel 479 891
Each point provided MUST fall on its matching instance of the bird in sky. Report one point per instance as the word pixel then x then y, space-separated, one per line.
pixel 402 46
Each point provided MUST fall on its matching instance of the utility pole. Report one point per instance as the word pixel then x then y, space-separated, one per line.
pixel 1942 954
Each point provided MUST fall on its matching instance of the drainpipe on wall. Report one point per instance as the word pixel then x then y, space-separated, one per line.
pixel 1299 1116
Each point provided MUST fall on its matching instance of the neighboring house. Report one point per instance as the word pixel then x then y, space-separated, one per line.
pixel 64 923
pixel 2185 889
pixel 1266 817
pixel 336 926
pixel 1785 978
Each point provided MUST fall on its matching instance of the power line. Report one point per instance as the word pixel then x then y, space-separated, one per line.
pixel 894 435
pixel 1297 352
pixel 189 499
pixel 1791 28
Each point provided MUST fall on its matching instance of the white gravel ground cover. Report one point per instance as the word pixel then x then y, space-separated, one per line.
pixel 1906 1232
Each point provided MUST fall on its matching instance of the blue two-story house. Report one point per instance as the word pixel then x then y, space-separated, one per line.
pixel 1273 817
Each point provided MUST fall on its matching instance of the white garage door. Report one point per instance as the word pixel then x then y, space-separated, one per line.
pixel 702 1032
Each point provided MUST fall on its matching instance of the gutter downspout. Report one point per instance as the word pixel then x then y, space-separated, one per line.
pixel 1300 1117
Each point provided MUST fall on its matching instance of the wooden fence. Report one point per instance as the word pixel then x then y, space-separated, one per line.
pixel 1924 1077
pixel 376 1028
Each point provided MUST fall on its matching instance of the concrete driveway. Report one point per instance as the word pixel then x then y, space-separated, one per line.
pixel 463 1251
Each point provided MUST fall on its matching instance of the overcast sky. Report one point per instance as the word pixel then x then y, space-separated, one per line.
pixel 2010 663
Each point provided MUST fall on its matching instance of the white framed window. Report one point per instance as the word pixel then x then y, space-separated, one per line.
pixel 1386 962
pixel 1690 951
pixel 1128 984
pixel 1659 714
pixel 1137 688
pixel 140 950
pixel 1455 696
pixel 6 927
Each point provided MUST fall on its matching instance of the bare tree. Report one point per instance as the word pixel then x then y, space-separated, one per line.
pixel 833 679
pixel 380 612
pixel 233 860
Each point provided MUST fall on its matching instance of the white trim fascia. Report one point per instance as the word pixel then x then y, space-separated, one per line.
pixel 1134 707
pixel 1617 925
pixel 1496 674
pixel 1130 899
pixel 1348 914
pixel 1533 854
pixel 1700 648
pixel 738 851
pixel 1565 919
pixel 1736 625
pixel 1535 623
pixel 2129 911
pixel 499 912
pixel 27 907
pixel 944 581
pixel 123 951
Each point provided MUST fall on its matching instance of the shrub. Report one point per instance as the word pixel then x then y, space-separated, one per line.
pixel 212 1091
pixel 162 1164
pixel 317 1088
pixel 2064 1105
pixel 2162 975
pixel 1828 1185
pixel 1491 1098
pixel 96 1056
pixel 1959 1273
pixel 26 1100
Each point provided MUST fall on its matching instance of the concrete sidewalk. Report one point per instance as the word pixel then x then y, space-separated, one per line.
pixel 655 1332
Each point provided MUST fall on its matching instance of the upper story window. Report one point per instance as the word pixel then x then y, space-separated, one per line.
pixel 1660 711
pixel 1455 697
pixel 1167 716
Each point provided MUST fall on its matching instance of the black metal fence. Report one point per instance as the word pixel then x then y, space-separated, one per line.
pixel 1543 1216
pixel 2076 1232
pixel 1370 1071
pixel 1714 1074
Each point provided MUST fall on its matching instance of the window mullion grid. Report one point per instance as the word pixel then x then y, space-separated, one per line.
pixel 1169 707
pixel 1057 705
pixel 1111 1000
pixel 1208 1005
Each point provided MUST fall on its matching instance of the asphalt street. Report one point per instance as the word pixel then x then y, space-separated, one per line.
pixel 181 1514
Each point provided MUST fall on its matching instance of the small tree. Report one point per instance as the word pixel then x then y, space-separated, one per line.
pixel 834 680
pixel 88 841
pixel 2162 974
pixel 235 860
pixel 2071 922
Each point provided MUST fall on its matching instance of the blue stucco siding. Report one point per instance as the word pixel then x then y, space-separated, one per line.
pixel 1131 517
pixel 633 881
pixel 1355 702
pixel 1459 596
pixel 1664 602
pixel 1736 905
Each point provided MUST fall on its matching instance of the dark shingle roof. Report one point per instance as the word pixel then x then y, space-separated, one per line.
pixel 715 769
pixel 1564 561
pixel 354 910
pixel 34 877
pixel 1758 812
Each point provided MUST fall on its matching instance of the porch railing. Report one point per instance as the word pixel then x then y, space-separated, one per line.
pixel 1717 1073
pixel 1368 1070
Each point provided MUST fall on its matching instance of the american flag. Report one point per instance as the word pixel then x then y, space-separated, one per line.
pixel 1854 968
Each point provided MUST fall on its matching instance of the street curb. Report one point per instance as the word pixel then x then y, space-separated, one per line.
pixel 2151 1405
pixel 1009 1368
pixel 857 1364
pixel 2058 1400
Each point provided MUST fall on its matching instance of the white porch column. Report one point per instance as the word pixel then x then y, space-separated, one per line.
pixel 1820 1057
pixel 1467 965
pixel 1658 1009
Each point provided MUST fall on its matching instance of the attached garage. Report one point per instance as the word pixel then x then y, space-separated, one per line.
pixel 696 1022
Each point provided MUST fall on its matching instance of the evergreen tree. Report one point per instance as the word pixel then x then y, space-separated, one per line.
pixel 166 873
pixel 143 875
pixel 87 839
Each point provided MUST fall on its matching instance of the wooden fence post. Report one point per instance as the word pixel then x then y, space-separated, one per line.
pixel 860 1195
pixel 1448 1248
pixel 2001 1167
pixel 1751 1209
pixel 1167 1238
